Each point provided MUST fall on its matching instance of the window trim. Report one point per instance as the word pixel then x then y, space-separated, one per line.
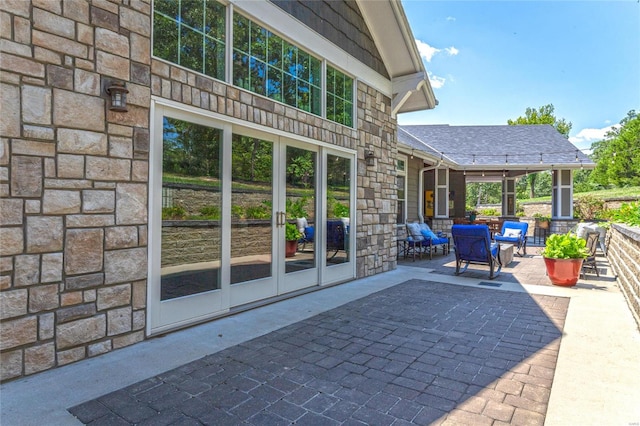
pixel 405 160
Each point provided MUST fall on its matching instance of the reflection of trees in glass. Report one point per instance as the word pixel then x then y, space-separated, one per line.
pixel 339 97
pixel 338 183
pixel 266 64
pixel 251 159
pixel 190 33
pixel 190 149
pixel 300 167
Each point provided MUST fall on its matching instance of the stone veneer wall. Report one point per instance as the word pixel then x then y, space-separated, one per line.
pixel 74 175
pixel 73 181
pixel 623 253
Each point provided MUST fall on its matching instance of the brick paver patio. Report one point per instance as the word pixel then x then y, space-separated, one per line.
pixel 420 353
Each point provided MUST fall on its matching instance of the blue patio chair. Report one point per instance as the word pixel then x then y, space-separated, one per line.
pixel 421 237
pixel 336 237
pixel 472 244
pixel 514 233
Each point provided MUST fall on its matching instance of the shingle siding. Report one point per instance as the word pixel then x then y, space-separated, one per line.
pixel 341 23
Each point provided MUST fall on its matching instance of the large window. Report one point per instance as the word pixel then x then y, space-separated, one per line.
pixel 190 33
pixel 268 65
pixel 339 97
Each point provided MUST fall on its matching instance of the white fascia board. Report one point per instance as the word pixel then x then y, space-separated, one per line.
pixel 280 22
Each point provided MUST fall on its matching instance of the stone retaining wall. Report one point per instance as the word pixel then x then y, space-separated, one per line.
pixel 623 253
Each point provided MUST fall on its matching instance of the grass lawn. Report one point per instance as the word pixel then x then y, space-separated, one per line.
pixel 632 191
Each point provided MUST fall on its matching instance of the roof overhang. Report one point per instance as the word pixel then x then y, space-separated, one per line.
pixel 392 35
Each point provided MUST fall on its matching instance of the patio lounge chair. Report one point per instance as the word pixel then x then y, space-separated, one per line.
pixel 514 233
pixel 472 244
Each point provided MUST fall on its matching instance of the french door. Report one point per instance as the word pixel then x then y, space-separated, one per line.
pixel 224 200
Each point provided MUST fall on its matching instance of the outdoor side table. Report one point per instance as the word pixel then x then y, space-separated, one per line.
pixel 409 247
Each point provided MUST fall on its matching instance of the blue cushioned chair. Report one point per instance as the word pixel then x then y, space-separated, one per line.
pixel 514 233
pixel 472 244
pixel 421 238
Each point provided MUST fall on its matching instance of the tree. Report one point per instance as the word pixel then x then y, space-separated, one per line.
pixel 617 157
pixel 543 115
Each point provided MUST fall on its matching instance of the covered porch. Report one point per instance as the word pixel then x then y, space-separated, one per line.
pixel 437 161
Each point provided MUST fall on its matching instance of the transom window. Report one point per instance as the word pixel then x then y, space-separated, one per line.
pixel 339 97
pixel 266 64
pixel 190 33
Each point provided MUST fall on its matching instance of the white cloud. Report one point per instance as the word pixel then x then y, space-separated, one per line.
pixel 450 18
pixel 452 51
pixel 427 52
pixel 436 82
pixel 586 137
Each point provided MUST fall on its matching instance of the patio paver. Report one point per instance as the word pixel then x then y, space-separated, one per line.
pixel 420 352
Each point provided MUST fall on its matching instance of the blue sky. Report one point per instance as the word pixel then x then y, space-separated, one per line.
pixel 489 61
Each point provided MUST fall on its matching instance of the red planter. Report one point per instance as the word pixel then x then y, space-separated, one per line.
pixel 290 248
pixel 564 272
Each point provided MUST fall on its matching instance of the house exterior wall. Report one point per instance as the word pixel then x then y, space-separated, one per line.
pixel 74 176
pixel 341 23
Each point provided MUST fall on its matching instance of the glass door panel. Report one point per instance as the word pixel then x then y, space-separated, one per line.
pixel 300 205
pixel 251 209
pixel 338 209
pixel 191 206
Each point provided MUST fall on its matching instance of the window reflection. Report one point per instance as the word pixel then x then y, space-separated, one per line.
pixel 190 253
pixel 338 209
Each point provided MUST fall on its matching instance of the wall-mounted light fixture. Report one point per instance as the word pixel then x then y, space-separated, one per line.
pixel 117 90
pixel 370 157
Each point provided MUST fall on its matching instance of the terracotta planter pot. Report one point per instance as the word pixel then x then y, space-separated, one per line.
pixel 542 224
pixel 563 272
pixel 290 248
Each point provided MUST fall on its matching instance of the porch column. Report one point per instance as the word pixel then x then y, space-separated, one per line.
pixel 508 197
pixel 562 195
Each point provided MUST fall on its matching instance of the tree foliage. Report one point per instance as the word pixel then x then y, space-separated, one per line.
pixel 617 157
pixel 543 115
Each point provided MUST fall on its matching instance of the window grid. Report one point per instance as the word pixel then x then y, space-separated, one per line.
pixel 191 33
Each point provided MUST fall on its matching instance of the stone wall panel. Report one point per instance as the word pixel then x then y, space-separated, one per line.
pixel 114 296
pixel 81 331
pixel 13 303
pixel 19 332
pixel 10 364
pixel 26 176
pixel 83 251
pixel 39 358
pixel 44 234
pixel 43 298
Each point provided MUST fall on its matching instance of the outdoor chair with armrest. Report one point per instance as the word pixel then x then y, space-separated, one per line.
pixel 472 244
pixel 422 234
pixel 514 233
pixel 593 238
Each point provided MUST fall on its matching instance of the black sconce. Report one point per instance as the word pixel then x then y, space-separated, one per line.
pixel 117 90
pixel 370 157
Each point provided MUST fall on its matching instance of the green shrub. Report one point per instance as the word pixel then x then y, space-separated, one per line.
pixel 258 212
pixel 565 246
pixel 174 213
pixel 628 213
pixel 210 213
pixel 588 207
pixel 490 212
pixel 291 232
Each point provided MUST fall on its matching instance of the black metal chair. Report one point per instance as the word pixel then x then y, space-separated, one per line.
pixel 592 245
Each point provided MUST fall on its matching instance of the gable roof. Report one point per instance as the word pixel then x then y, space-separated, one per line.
pixel 533 146
pixel 392 34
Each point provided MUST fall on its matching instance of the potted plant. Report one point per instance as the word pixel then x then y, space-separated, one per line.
pixel 291 235
pixel 542 221
pixel 563 256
